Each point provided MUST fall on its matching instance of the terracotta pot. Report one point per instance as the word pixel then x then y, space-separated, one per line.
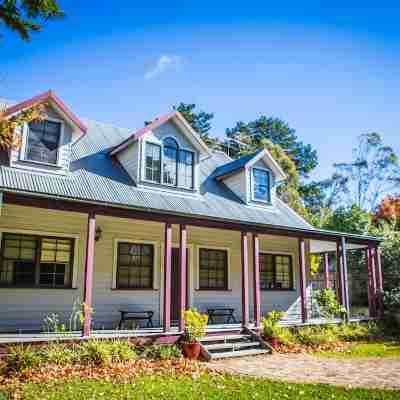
pixel 191 350
pixel 274 341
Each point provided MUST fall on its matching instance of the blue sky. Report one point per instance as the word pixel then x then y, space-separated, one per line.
pixel 330 71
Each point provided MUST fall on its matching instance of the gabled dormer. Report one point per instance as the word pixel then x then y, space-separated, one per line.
pixel 164 155
pixel 45 145
pixel 253 178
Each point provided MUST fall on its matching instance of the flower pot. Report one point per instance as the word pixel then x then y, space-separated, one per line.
pixel 274 341
pixel 191 350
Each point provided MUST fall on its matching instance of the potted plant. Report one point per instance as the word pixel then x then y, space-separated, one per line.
pixel 195 329
pixel 271 329
pixel 391 300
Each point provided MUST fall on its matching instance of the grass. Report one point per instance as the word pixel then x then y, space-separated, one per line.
pixel 203 387
pixel 385 349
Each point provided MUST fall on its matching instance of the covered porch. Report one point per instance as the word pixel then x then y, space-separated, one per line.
pixel 181 238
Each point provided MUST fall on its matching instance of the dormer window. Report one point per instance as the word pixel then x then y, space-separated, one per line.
pixel 43 141
pixel 169 164
pixel 261 185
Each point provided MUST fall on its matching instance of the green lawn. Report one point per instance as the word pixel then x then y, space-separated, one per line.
pixel 386 349
pixel 205 387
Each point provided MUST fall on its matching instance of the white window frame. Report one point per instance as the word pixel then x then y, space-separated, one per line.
pixel 162 183
pixel 228 250
pixel 252 184
pixel 75 264
pixel 24 144
pixel 156 246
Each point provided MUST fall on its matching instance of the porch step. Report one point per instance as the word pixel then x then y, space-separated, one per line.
pixel 240 345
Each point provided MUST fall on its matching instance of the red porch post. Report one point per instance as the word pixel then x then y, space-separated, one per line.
pixel 245 280
pixel 303 283
pixel 167 277
pixel 371 283
pixel 379 281
pixel 256 282
pixel 326 271
pixel 339 274
pixel 88 281
pixel 345 280
pixel 182 274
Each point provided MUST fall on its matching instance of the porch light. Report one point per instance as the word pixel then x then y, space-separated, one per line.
pixel 98 234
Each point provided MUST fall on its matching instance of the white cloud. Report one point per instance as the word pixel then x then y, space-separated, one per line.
pixel 164 63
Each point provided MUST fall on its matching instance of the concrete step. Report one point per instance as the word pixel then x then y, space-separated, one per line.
pixel 225 338
pixel 230 346
pixel 239 353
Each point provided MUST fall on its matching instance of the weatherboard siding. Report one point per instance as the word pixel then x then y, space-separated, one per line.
pixel 26 308
pixel 129 159
pixel 237 184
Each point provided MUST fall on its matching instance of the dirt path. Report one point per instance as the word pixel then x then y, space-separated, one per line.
pixel 304 368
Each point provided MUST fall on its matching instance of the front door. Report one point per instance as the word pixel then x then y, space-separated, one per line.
pixel 175 284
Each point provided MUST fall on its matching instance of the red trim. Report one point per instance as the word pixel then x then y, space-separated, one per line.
pixel 256 283
pixel 326 271
pixel 182 275
pixel 162 119
pixel 89 262
pixel 303 284
pixel 245 280
pixel 167 277
pixel 46 96
pixel 379 282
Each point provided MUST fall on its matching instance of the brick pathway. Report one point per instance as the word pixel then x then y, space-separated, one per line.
pixel 304 368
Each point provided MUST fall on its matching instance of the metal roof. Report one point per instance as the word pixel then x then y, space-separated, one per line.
pixel 94 177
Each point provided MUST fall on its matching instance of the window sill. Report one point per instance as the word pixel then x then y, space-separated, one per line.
pixel 166 186
pixel 134 290
pixel 213 290
pixel 39 163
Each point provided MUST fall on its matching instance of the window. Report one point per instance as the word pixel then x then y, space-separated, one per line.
pixel 135 266
pixel 153 162
pixel 31 261
pixel 177 164
pixel 276 271
pixel 261 185
pixel 213 269
pixel 43 141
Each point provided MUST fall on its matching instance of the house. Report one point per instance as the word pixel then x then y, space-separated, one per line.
pixel 151 222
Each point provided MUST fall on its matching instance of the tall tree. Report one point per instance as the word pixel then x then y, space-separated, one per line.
pixel 27 16
pixel 373 172
pixel 389 211
pixel 199 120
pixel 248 136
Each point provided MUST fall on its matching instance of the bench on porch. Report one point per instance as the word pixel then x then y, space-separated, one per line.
pixel 130 315
pixel 226 312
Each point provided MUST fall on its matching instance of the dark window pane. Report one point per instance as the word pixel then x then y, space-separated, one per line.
pixel 43 141
pixel 261 185
pixel 135 266
pixel 276 271
pixel 170 165
pixel 213 269
pixel 185 169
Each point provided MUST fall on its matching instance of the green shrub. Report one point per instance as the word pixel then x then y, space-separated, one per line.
pixel 314 335
pixel 270 325
pixel 355 332
pixel 285 336
pixel 59 354
pixel 95 352
pixel 22 358
pixel 121 351
pixel 329 306
pixel 161 352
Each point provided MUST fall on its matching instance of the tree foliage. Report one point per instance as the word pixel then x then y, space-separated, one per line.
pixel 252 134
pixel 27 16
pixel 389 211
pixel 199 120
pixel 10 125
pixel 373 172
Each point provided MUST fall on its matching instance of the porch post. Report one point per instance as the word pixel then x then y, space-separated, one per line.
pixel 326 271
pixel 303 283
pixel 167 277
pixel 256 281
pixel 88 281
pixel 339 274
pixel 182 275
pixel 345 278
pixel 371 283
pixel 379 281
pixel 245 280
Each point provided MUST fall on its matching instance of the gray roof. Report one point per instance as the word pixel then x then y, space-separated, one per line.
pixel 234 165
pixel 94 177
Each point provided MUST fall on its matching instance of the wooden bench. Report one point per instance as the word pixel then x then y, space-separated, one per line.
pixel 129 315
pixel 225 312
